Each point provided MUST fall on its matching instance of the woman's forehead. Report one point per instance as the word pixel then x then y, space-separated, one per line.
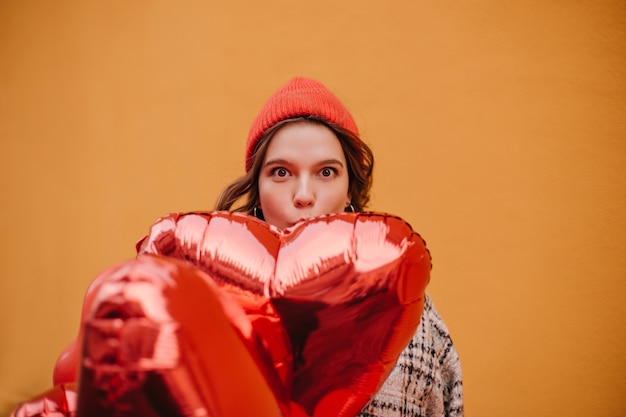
pixel 304 142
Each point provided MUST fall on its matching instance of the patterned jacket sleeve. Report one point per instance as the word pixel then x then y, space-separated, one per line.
pixel 426 380
pixel 452 381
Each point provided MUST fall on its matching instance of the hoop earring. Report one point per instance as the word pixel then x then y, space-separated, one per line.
pixel 350 208
pixel 258 213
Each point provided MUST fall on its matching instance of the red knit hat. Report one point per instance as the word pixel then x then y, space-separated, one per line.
pixel 299 97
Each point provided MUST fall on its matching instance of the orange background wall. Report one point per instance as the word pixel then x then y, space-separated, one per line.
pixel 499 131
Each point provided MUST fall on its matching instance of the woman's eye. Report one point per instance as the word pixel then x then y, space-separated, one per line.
pixel 328 172
pixel 279 172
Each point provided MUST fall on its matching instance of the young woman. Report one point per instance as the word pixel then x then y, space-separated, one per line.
pixel 304 158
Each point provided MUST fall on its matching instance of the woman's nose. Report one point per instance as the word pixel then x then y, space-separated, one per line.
pixel 304 195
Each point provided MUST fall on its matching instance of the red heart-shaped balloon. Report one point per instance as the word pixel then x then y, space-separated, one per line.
pixel 333 300
pixel 154 341
pixel 347 287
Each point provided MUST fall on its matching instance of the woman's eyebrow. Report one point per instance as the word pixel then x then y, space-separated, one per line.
pixel 330 162
pixel 276 161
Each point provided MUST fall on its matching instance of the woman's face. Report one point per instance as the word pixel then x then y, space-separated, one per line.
pixel 304 174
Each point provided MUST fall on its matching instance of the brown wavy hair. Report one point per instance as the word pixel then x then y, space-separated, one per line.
pixel 359 158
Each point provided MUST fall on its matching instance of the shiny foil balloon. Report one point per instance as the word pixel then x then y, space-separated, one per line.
pixel 320 311
pixel 347 288
pixel 57 401
pixel 160 338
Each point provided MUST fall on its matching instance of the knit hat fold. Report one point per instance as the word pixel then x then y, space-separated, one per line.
pixel 300 97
